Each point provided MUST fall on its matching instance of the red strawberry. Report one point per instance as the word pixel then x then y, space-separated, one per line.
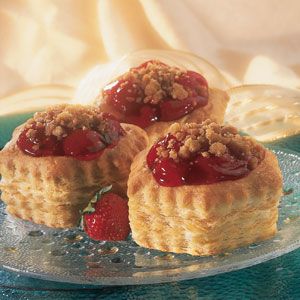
pixel 106 217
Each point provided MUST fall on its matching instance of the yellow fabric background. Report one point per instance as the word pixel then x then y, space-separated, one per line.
pixel 58 41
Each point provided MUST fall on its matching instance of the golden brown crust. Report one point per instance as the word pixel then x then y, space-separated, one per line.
pixel 214 110
pixel 51 190
pixel 204 219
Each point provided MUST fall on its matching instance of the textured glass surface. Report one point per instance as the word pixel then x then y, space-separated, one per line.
pixel 69 256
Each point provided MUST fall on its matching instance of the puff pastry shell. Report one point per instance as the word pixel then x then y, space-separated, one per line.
pixel 204 219
pixel 51 190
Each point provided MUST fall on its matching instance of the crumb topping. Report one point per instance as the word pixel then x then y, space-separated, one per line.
pixel 156 82
pixel 210 139
pixel 61 119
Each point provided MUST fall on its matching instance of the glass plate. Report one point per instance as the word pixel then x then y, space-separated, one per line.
pixel 70 256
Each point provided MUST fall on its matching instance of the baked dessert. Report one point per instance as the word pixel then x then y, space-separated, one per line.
pixel 203 189
pixel 154 95
pixel 60 158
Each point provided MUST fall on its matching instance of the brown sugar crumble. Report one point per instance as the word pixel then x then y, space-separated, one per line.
pixel 156 82
pixel 60 119
pixel 211 139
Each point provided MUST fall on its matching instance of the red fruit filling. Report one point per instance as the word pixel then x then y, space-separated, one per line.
pixel 155 92
pixel 202 155
pixel 82 144
pixel 39 144
pixel 194 170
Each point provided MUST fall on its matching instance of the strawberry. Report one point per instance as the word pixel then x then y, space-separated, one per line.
pixel 106 217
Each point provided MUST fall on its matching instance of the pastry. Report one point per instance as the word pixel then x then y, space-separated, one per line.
pixel 203 189
pixel 154 95
pixel 60 158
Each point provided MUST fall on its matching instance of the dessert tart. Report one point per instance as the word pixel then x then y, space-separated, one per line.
pixel 60 158
pixel 154 95
pixel 203 189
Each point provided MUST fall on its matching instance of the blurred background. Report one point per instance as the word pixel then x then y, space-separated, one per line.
pixel 58 41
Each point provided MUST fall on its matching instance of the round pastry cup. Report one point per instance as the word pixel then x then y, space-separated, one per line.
pixel 89 90
pixel 97 78
pixel 204 219
pixel 52 190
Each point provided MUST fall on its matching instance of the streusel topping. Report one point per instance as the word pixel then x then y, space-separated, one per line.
pixel 157 82
pixel 154 92
pixel 210 139
pixel 81 132
pixel 59 120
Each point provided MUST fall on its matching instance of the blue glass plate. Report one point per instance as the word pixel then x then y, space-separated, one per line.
pixel 70 256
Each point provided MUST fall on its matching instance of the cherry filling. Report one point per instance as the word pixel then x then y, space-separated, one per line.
pixel 39 144
pixel 121 97
pixel 82 144
pixel 193 171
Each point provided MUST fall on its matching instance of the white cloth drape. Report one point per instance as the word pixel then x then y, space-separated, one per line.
pixel 57 41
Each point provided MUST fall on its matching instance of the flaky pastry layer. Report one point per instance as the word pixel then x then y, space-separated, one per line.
pixel 204 219
pixel 214 110
pixel 51 190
